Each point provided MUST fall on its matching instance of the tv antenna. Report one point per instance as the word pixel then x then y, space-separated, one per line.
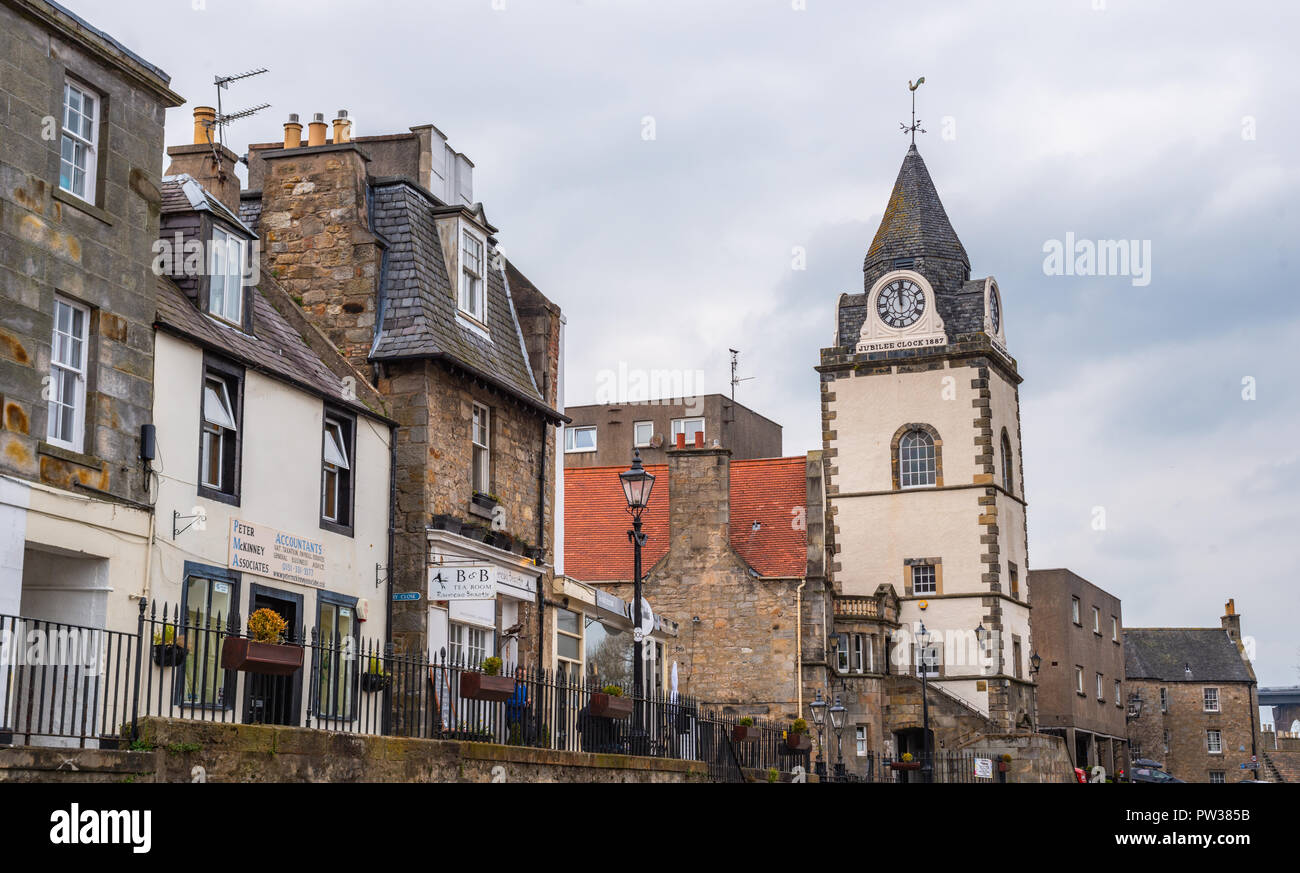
pixel 224 118
pixel 736 380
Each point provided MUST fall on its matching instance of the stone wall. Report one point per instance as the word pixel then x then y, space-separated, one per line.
pixel 247 753
pixel 1186 722
pixel 1034 757
pixel 94 253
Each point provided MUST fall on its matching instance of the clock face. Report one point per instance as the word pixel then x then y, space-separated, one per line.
pixel 995 310
pixel 900 303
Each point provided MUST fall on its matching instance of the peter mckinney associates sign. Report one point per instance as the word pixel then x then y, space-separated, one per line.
pixel 265 551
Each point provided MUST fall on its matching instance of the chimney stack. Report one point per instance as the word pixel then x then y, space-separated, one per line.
pixel 342 128
pixel 316 130
pixel 292 132
pixel 208 162
pixel 1231 622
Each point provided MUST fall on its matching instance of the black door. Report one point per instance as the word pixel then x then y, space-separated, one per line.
pixel 275 699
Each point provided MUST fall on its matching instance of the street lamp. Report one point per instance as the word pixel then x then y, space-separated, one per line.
pixel 637 484
pixel 837 722
pixel 923 637
pixel 818 710
pixel 1035 663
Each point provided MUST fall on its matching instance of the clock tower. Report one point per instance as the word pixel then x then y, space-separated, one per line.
pixel 921 432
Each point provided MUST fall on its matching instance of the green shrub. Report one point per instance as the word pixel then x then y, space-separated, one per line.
pixel 492 666
pixel 773 774
pixel 747 722
pixel 612 690
pixel 799 726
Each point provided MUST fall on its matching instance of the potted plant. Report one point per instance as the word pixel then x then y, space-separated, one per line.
pixel 168 649
pixel 265 650
pixel 485 500
pixel 487 684
pixel 796 737
pixel 609 702
pixel 374 679
pixel 745 732
pixel 907 762
pixel 474 531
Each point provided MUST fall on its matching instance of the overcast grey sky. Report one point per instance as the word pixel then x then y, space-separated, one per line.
pixel 777 127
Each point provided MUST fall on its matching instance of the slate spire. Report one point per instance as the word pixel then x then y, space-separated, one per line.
pixel 915 225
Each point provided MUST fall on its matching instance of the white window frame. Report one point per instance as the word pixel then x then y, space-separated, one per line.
pixel 215 432
pixel 842 655
pixel 1074 611
pixel 917 460
pixel 1214 741
pixel 481 462
pixel 1119 694
pixel 1114 629
pixel 69 357
pixel 579 637
pixel 932 662
pixel 469 644
pixel 571 443
pixel 1096 621
pixel 679 426
pixel 471 284
pixel 860 740
pixel 1164 699
pixel 1101 687
pixel 226 266
pixel 1210 699
pixel 1218 777
pixel 75 138
pixel 932 582
pixel 334 466
pixel 1078 679
pixel 637 442
pixel 859 660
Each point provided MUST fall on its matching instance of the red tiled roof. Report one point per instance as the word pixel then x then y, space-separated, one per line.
pixel 596 524
pixel 770 491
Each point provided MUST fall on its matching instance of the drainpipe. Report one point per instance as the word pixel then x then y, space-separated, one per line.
pixel 798 643
pixel 392 555
pixel 541 545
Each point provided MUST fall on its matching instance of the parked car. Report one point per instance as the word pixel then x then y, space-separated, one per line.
pixel 1151 774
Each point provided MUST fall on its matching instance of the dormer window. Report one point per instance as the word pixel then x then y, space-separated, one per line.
pixel 226 268
pixel 472 272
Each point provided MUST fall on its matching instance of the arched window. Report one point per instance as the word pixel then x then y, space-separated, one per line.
pixel 916 467
pixel 1008 479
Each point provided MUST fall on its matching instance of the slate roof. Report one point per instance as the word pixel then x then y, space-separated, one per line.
pixel 182 193
pixel 419 301
pixel 274 348
pixel 1163 652
pixel 765 491
pixel 914 224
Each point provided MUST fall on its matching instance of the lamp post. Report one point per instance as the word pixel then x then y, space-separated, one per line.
pixel 927 768
pixel 818 710
pixel 837 722
pixel 637 484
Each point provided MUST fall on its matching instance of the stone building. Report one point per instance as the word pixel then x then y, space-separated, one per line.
pixel 378 241
pixel 81 121
pixel 1079 635
pixel 924 481
pixel 606 434
pixel 1199 700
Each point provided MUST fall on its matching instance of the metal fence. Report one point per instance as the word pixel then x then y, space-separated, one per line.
pixel 69 685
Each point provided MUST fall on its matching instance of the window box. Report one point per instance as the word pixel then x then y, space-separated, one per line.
pixel 905 765
pixel 797 742
pixel 476 532
pixel 610 706
pixel 170 654
pixel 481 686
pixel 372 682
pixel 445 522
pixel 499 539
pixel 486 501
pixel 536 553
pixel 744 733
pixel 250 656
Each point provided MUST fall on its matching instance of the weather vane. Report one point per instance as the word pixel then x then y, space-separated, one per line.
pixel 916 125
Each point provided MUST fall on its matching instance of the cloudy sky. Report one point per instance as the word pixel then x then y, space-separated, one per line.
pixel 775 127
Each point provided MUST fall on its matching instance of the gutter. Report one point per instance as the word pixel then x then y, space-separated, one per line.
pixel 798 643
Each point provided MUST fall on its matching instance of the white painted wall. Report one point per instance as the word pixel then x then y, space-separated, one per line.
pixel 280 484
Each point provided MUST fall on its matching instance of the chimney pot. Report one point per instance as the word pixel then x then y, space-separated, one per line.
pixel 681 441
pixel 699 439
pixel 205 119
pixel 342 128
pixel 316 130
pixel 292 132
